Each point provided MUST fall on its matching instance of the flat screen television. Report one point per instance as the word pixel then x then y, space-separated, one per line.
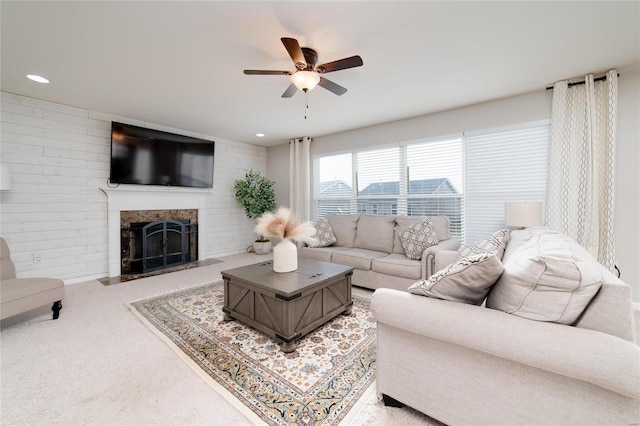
pixel 150 157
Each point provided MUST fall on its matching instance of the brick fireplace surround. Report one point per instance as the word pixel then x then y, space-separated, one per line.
pixel 126 198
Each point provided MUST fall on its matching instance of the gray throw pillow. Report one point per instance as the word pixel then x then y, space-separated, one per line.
pixel 547 279
pixel 466 281
pixel 417 238
pixel 324 234
pixel 493 244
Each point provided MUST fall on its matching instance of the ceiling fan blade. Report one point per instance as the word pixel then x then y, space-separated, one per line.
pixel 341 64
pixel 266 72
pixel 292 46
pixel 291 90
pixel 332 87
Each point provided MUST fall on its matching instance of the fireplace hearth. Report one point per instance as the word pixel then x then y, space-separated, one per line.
pixel 126 203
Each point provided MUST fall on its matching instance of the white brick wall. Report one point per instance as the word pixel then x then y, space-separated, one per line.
pixel 59 158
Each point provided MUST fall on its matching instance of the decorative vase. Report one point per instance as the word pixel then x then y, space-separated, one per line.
pixel 262 247
pixel 285 256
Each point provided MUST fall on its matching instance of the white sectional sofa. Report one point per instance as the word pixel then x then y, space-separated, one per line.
pixel 468 364
pixel 372 246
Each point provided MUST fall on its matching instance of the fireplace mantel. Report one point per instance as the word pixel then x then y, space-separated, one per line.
pixel 124 198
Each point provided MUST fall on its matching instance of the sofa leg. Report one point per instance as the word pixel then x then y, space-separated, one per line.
pixel 390 402
pixel 56 309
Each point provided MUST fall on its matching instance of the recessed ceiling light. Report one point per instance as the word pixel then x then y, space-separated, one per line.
pixel 37 78
pixel 260 135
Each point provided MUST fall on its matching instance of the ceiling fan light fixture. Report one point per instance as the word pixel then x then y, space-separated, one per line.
pixel 305 80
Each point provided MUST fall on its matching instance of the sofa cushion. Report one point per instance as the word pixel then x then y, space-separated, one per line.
pixel 319 253
pixel 324 234
pixel 344 228
pixel 398 265
pixel 493 244
pixel 520 236
pixel 375 232
pixel 417 238
pixel 441 225
pixel 547 278
pixel 23 288
pixel 468 280
pixel 356 258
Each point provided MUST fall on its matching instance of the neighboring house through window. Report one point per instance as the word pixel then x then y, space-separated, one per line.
pixel 427 178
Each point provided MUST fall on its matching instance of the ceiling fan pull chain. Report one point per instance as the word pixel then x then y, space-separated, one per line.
pixel 306 103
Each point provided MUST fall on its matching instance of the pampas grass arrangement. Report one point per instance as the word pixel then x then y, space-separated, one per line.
pixel 284 224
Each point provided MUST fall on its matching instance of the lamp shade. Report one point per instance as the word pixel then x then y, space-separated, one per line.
pixel 5 178
pixel 523 213
pixel 305 80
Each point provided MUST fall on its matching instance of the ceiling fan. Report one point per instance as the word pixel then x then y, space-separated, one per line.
pixel 307 74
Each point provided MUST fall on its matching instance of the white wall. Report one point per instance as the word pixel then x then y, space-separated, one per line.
pixel 515 110
pixel 627 195
pixel 59 158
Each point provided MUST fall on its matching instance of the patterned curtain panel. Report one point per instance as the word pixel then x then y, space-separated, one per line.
pixel 300 178
pixel 581 185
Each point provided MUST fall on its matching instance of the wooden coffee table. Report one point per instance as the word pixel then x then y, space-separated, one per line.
pixel 286 306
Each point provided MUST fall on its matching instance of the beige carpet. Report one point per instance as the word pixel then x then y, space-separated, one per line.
pixel 99 365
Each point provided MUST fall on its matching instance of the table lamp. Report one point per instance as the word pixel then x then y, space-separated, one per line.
pixel 523 213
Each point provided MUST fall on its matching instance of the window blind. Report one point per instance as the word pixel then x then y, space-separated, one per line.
pixel 434 181
pixel 378 179
pixel 419 179
pixel 333 185
pixel 500 167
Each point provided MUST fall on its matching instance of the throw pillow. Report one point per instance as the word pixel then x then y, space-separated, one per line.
pixel 467 281
pixel 417 238
pixel 547 279
pixel 493 244
pixel 324 234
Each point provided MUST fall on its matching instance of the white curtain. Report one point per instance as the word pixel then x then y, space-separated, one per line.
pixel 580 194
pixel 300 178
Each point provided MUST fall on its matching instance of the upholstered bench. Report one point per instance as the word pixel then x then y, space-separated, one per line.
pixel 18 295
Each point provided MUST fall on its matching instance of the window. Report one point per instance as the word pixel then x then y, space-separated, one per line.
pixel 465 178
pixel 416 179
pixel 503 166
pixel 333 185
pixel 435 184
pixel 378 178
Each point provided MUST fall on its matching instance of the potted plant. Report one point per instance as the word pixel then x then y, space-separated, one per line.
pixel 255 193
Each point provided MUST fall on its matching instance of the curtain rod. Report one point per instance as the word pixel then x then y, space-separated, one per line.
pixel 577 83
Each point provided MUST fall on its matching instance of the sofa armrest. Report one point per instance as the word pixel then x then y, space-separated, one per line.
pixel 429 255
pixel 444 258
pixel 591 356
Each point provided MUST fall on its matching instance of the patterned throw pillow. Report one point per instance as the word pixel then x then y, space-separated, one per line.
pixel 417 238
pixel 493 244
pixel 467 281
pixel 324 234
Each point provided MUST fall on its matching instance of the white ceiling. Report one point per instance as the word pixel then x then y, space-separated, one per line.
pixel 180 64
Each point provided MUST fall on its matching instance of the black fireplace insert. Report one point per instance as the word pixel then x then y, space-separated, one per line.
pixel 151 246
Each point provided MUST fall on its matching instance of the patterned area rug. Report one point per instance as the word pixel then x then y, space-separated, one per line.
pixel 318 384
